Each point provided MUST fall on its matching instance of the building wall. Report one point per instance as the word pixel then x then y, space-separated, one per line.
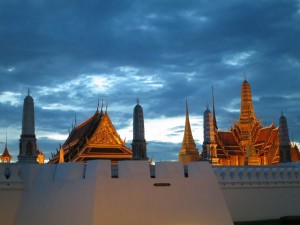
pixel 261 193
pixel 74 193
pixel 98 193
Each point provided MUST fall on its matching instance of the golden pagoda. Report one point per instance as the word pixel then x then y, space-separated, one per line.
pixel 188 151
pixel 247 142
pixel 95 138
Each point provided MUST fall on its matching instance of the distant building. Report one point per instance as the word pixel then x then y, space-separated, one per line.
pixel 95 138
pixel 247 142
pixel 5 157
pixel 139 145
pixel 29 151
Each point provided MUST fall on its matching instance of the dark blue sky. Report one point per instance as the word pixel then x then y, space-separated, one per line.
pixel 70 53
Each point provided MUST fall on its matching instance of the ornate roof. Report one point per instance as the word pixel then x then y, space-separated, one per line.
pixel 5 155
pixel 95 138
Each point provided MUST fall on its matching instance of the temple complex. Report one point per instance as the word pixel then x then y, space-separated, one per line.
pixel 95 138
pixel 188 151
pixel 247 142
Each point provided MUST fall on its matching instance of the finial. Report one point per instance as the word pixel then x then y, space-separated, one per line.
pixel 106 107
pixel 207 106
pixel 245 76
pixel 213 96
pixel 28 92
pixel 137 101
pixel 186 105
pixel 98 105
pixel 6 140
pixel 281 113
pixel 102 105
pixel 213 108
pixel 76 120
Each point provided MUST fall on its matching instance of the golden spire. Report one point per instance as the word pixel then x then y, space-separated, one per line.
pixel 246 104
pixel 188 142
pixel 188 151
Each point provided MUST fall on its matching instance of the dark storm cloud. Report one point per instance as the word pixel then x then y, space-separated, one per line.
pixel 163 52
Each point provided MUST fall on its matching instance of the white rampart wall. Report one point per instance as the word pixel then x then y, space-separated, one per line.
pixel 259 193
pixel 74 193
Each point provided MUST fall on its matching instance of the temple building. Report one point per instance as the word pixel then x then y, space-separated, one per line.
pixel 95 138
pixel 139 145
pixel 247 142
pixel 28 149
pixel 5 157
pixel 188 151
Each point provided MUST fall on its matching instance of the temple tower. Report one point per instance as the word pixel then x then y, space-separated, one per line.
pixel 188 152
pixel 27 147
pixel 284 140
pixel 247 115
pixel 139 150
pixel 209 143
pixel 5 157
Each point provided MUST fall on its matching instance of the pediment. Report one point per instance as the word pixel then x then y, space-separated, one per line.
pixel 106 134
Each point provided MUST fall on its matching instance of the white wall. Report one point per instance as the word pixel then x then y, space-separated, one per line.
pixel 72 193
pixel 260 193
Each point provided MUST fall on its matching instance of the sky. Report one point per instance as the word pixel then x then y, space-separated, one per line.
pixel 70 53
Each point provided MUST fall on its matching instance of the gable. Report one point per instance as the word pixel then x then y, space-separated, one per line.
pixel 106 134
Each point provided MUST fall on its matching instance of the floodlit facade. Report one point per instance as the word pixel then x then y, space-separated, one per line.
pixel 247 142
pixel 95 138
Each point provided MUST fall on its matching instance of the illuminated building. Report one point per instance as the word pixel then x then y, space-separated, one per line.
pixel 5 157
pixel 95 138
pixel 188 152
pixel 247 142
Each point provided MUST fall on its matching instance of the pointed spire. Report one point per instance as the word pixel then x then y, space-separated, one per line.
pixel 6 140
pixel 188 151
pixel 98 105
pixel 102 106
pixel 28 92
pixel 106 107
pixel 188 142
pixel 137 101
pixel 246 104
pixel 284 141
pixel 75 120
pixel 214 112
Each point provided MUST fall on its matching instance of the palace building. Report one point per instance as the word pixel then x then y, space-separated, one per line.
pixel 95 138
pixel 247 142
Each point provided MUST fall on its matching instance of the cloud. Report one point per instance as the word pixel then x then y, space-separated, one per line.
pixel 70 54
